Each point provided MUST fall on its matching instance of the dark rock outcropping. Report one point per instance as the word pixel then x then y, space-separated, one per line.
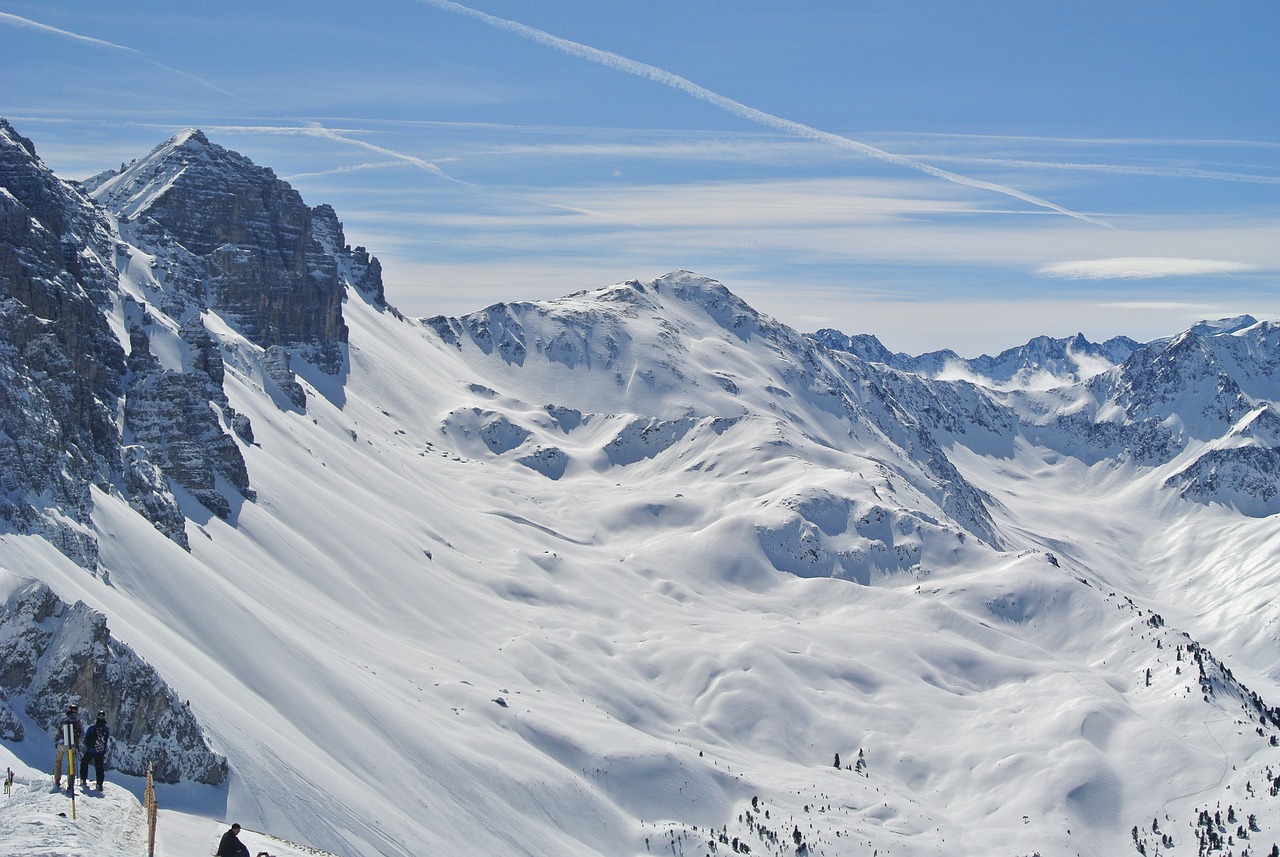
pixel 199 229
pixel 266 270
pixel 171 416
pixel 355 266
pixel 56 654
pixel 60 363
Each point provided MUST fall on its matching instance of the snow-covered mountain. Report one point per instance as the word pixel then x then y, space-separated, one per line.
pixel 637 570
pixel 1042 362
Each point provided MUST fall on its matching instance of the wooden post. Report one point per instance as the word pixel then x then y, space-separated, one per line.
pixel 149 801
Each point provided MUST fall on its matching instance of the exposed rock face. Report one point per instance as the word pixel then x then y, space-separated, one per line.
pixel 58 654
pixel 266 270
pixel 277 369
pixel 174 416
pixel 355 266
pixel 60 364
pixel 200 229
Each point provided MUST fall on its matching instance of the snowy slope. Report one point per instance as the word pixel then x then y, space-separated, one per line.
pixel 623 572
pixel 398 577
pixel 37 820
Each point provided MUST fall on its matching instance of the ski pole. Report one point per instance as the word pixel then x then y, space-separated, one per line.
pixel 68 736
pixel 71 761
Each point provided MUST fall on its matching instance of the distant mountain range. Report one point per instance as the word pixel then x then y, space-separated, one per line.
pixel 636 570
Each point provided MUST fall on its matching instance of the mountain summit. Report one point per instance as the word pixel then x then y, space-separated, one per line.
pixel 214 209
pixel 635 570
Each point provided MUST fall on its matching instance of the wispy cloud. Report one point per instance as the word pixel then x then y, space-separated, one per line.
pixel 1140 268
pixel 336 135
pixel 27 23
pixel 318 130
pixel 1121 169
pixel 350 168
pixel 1100 141
pixel 769 120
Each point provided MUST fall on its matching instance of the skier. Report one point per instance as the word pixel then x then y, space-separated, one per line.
pixel 59 742
pixel 95 749
pixel 231 846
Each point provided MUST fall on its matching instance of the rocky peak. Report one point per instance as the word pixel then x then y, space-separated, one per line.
pixel 10 136
pixel 269 272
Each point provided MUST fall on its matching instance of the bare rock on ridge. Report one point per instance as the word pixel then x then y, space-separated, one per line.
pixel 57 654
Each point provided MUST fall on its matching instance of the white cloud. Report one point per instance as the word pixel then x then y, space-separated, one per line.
pixel 1140 268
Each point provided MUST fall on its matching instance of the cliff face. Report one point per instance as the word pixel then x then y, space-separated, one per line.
pixel 56 654
pixel 266 271
pixel 189 230
pixel 61 366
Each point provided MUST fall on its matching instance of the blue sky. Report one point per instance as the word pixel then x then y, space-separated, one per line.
pixel 940 174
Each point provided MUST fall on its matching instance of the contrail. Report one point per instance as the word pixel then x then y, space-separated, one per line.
pixel 19 21
pixel 317 130
pixel 675 81
pixel 27 23
pixel 1123 169
pixel 336 171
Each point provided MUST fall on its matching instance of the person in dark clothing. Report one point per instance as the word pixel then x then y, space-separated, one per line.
pixel 231 846
pixel 72 721
pixel 95 750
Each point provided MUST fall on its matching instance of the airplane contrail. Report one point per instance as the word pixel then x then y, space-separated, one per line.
pixel 675 81
pixel 27 23
pixel 1123 169
pixel 315 129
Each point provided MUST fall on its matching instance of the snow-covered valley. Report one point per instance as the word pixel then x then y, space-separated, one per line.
pixel 628 571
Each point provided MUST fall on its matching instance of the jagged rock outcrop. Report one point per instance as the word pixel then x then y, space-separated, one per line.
pixel 174 416
pixel 355 266
pixel 198 229
pixel 56 654
pixel 266 269
pixel 60 363
pixel 278 369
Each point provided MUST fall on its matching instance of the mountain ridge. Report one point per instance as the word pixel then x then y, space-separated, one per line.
pixel 624 570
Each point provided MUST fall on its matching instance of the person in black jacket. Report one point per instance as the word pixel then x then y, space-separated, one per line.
pixel 95 750
pixel 231 846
